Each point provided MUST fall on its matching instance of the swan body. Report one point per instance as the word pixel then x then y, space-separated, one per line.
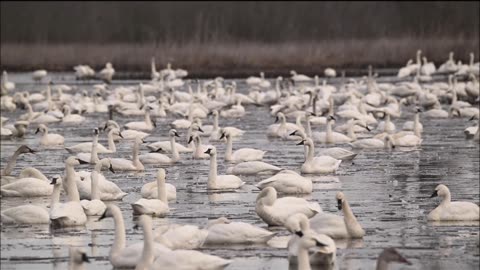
pixel 182 237
pixel 156 207
pixel 338 153
pixel 25 214
pixel 373 143
pixel 94 206
pixel 275 211
pixel 135 164
pixel 288 182
pixel 321 164
pixel 241 155
pixel 49 139
pixel 150 190
pixel 452 211
pixel 252 168
pixel 223 231
pixel 27 187
pixel 220 181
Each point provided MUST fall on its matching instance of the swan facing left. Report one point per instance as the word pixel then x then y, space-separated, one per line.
pixel 452 211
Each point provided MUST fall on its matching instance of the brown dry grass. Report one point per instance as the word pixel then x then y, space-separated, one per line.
pixel 235 58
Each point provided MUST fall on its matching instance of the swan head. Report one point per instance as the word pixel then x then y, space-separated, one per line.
pixel 78 256
pixel 25 150
pixel 116 132
pixel 173 133
pixel 293 72
pixel 143 221
pixel 330 118
pixel 109 65
pixel 211 151
pixel 109 211
pixel 195 126
pixel 389 142
pixel 73 160
pixel 440 191
pixel 392 255
pixel 56 180
pixel 139 140
pixel 340 198
pixel 267 196
pixel 324 243
pixel 297 224
pixel 106 163
pixel 41 128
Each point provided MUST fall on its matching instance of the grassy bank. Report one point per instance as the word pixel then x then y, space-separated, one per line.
pixel 236 59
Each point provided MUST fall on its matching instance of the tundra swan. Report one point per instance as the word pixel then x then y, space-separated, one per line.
pixel 77 258
pixel 275 211
pixel 87 146
pixel 31 183
pixel 451 211
pixel 150 190
pixel 240 155
pixel 5 173
pixel 38 75
pixel 106 74
pixel 170 146
pixel 94 206
pixel 49 139
pixel 181 236
pixel 252 168
pixel 135 164
pixel 121 256
pixel 147 125
pixel 220 181
pixel 321 164
pixel 156 207
pixel 372 143
pixel 224 231
pixel 288 182
pixel 107 189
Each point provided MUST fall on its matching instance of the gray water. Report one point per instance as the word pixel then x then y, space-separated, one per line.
pixel 388 191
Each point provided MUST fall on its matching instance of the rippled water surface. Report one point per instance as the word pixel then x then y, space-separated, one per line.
pixel 388 191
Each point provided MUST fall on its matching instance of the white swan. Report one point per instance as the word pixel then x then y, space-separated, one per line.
pixel 252 168
pixel 220 181
pixel 38 75
pixel 94 206
pixel 70 213
pixel 71 118
pixel 7 85
pixel 217 131
pixel 27 186
pixel 181 236
pixel 157 158
pixel 299 225
pixel 240 155
pixel 299 77
pixel 330 136
pixel 127 134
pixel 415 124
pixel 336 226
pixel 156 207
pixel 107 189
pixel 170 146
pixel 175 259
pixel 106 74
pixel 86 147
pixel 199 151
pixel 149 190
pixel 337 153
pixel 275 211
pixel 49 139
pixel 146 125
pixel 135 164
pixel 321 164
pixel 5 173
pixel 372 143
pixel 283 129
pixel 76 259
pixel 452 211
pixel 121 256
pixel 287 181
pixel 223 231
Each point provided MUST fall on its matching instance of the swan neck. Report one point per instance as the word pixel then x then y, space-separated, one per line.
pixel 119 242
pixel 351 132
pixel 111 143
pixel 228 151
pixel 212 175
pixel 416 125
pixel 11 163
pixel 309 129
pixel 446 199
pixel 147 253
pixel 72 190
pixel 147 118
pixel 310 152
pixel 173 146
pixel 161 191
pixel 94 153
pixel 303 259
pixel 94 185
pixel 353 227
pixel 55 196
pixel 329 134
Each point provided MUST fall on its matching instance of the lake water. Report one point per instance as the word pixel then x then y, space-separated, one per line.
pixel 389 192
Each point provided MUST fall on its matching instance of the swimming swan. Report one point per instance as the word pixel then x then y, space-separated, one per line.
pixel 87 146
pixel 287 181
pixel 70 213
pixel 275 211
pixel 156 207
pixel 135 164
pixel 149 190
pixel 49 139
pixel 94 206
pixel 12 161
pixel 240 155
pixel 321 164
pixel 121 256
pixel 220 181
pixel 181 236
pixel 452 211
pixel 170 146
pixel 336 226
pixel 224 231
pixel 252 168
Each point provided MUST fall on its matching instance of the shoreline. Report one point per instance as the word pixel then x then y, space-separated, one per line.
pixel 237 59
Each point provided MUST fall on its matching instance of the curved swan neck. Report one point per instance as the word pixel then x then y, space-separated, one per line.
pixel 119 241
pixel 212 175
pixel 446 199
pixel 72 190
pixel 11 163
pixel 228 151
pixel 353 227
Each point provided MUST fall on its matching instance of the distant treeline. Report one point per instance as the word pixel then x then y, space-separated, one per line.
pixel 187 22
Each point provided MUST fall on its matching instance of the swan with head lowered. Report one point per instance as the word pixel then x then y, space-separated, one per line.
pixel 156 207
pixel 336 226
pixel 287 181
pixel 220 181
pixel 299 225
pixel 174 259
pixel 224 231
pixel 150 190
pixel 275 212
pixel 452 211
pixel 122 256
pixel 70 213
pixel 321 164
pixel 240 155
